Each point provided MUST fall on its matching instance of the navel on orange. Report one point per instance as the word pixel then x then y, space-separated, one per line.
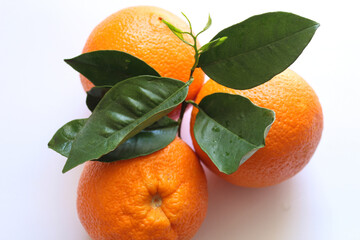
pixel 159 196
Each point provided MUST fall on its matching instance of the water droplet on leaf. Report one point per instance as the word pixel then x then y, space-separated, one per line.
pixel 216 129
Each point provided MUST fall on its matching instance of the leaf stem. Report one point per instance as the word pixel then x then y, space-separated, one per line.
pixel 196 62
pixel 192 103
pixel 188 22
pixel 191 78
pixel 196 56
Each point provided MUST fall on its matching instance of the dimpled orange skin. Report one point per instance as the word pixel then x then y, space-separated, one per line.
pixel 292 139
pixel 139 31
pixel 118 200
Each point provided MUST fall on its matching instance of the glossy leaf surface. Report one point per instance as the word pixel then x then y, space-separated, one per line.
pixel 149 140
pixel 230 128
pixel 130 106
pixel 94 96
pixel 257 49
pixel 63 139
pixel 108 67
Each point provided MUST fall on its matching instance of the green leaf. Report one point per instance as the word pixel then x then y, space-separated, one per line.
pixel 257 49
pixel 128 107
pixel 212 44
pixel 230 128
pixel 174 29
pixel 207 26
pixel 95 95
pixel 63 139
pixel 177 32
pixel 149 140
pixel 108 67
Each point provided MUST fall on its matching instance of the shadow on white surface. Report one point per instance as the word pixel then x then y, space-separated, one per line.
pixel 251 213
pixel 274 212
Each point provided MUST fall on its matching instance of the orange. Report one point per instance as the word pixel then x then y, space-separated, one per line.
pixel 159 196
pixel 139 31
pixel 292 139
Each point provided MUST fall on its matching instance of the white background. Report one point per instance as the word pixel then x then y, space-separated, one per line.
pixel 39 93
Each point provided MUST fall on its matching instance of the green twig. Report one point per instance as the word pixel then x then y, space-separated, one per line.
pixel 196 62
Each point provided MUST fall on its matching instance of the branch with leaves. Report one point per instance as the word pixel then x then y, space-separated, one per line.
pixel 130 100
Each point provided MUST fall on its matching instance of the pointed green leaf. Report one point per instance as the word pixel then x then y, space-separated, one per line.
pixel 212 44
pixel 230 128
pixel 130 106
pixel 149 140
pixel 108 67
pixel 207 26
pixel 174 29
pixel 63 139
pixel 95 95
pixel 177 32
pixel 257 49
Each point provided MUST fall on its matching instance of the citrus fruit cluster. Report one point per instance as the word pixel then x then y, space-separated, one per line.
pixel 130 68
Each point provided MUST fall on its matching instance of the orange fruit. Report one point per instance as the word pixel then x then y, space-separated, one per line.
pixel 292 139
pixel 139 31
pixel 159 196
